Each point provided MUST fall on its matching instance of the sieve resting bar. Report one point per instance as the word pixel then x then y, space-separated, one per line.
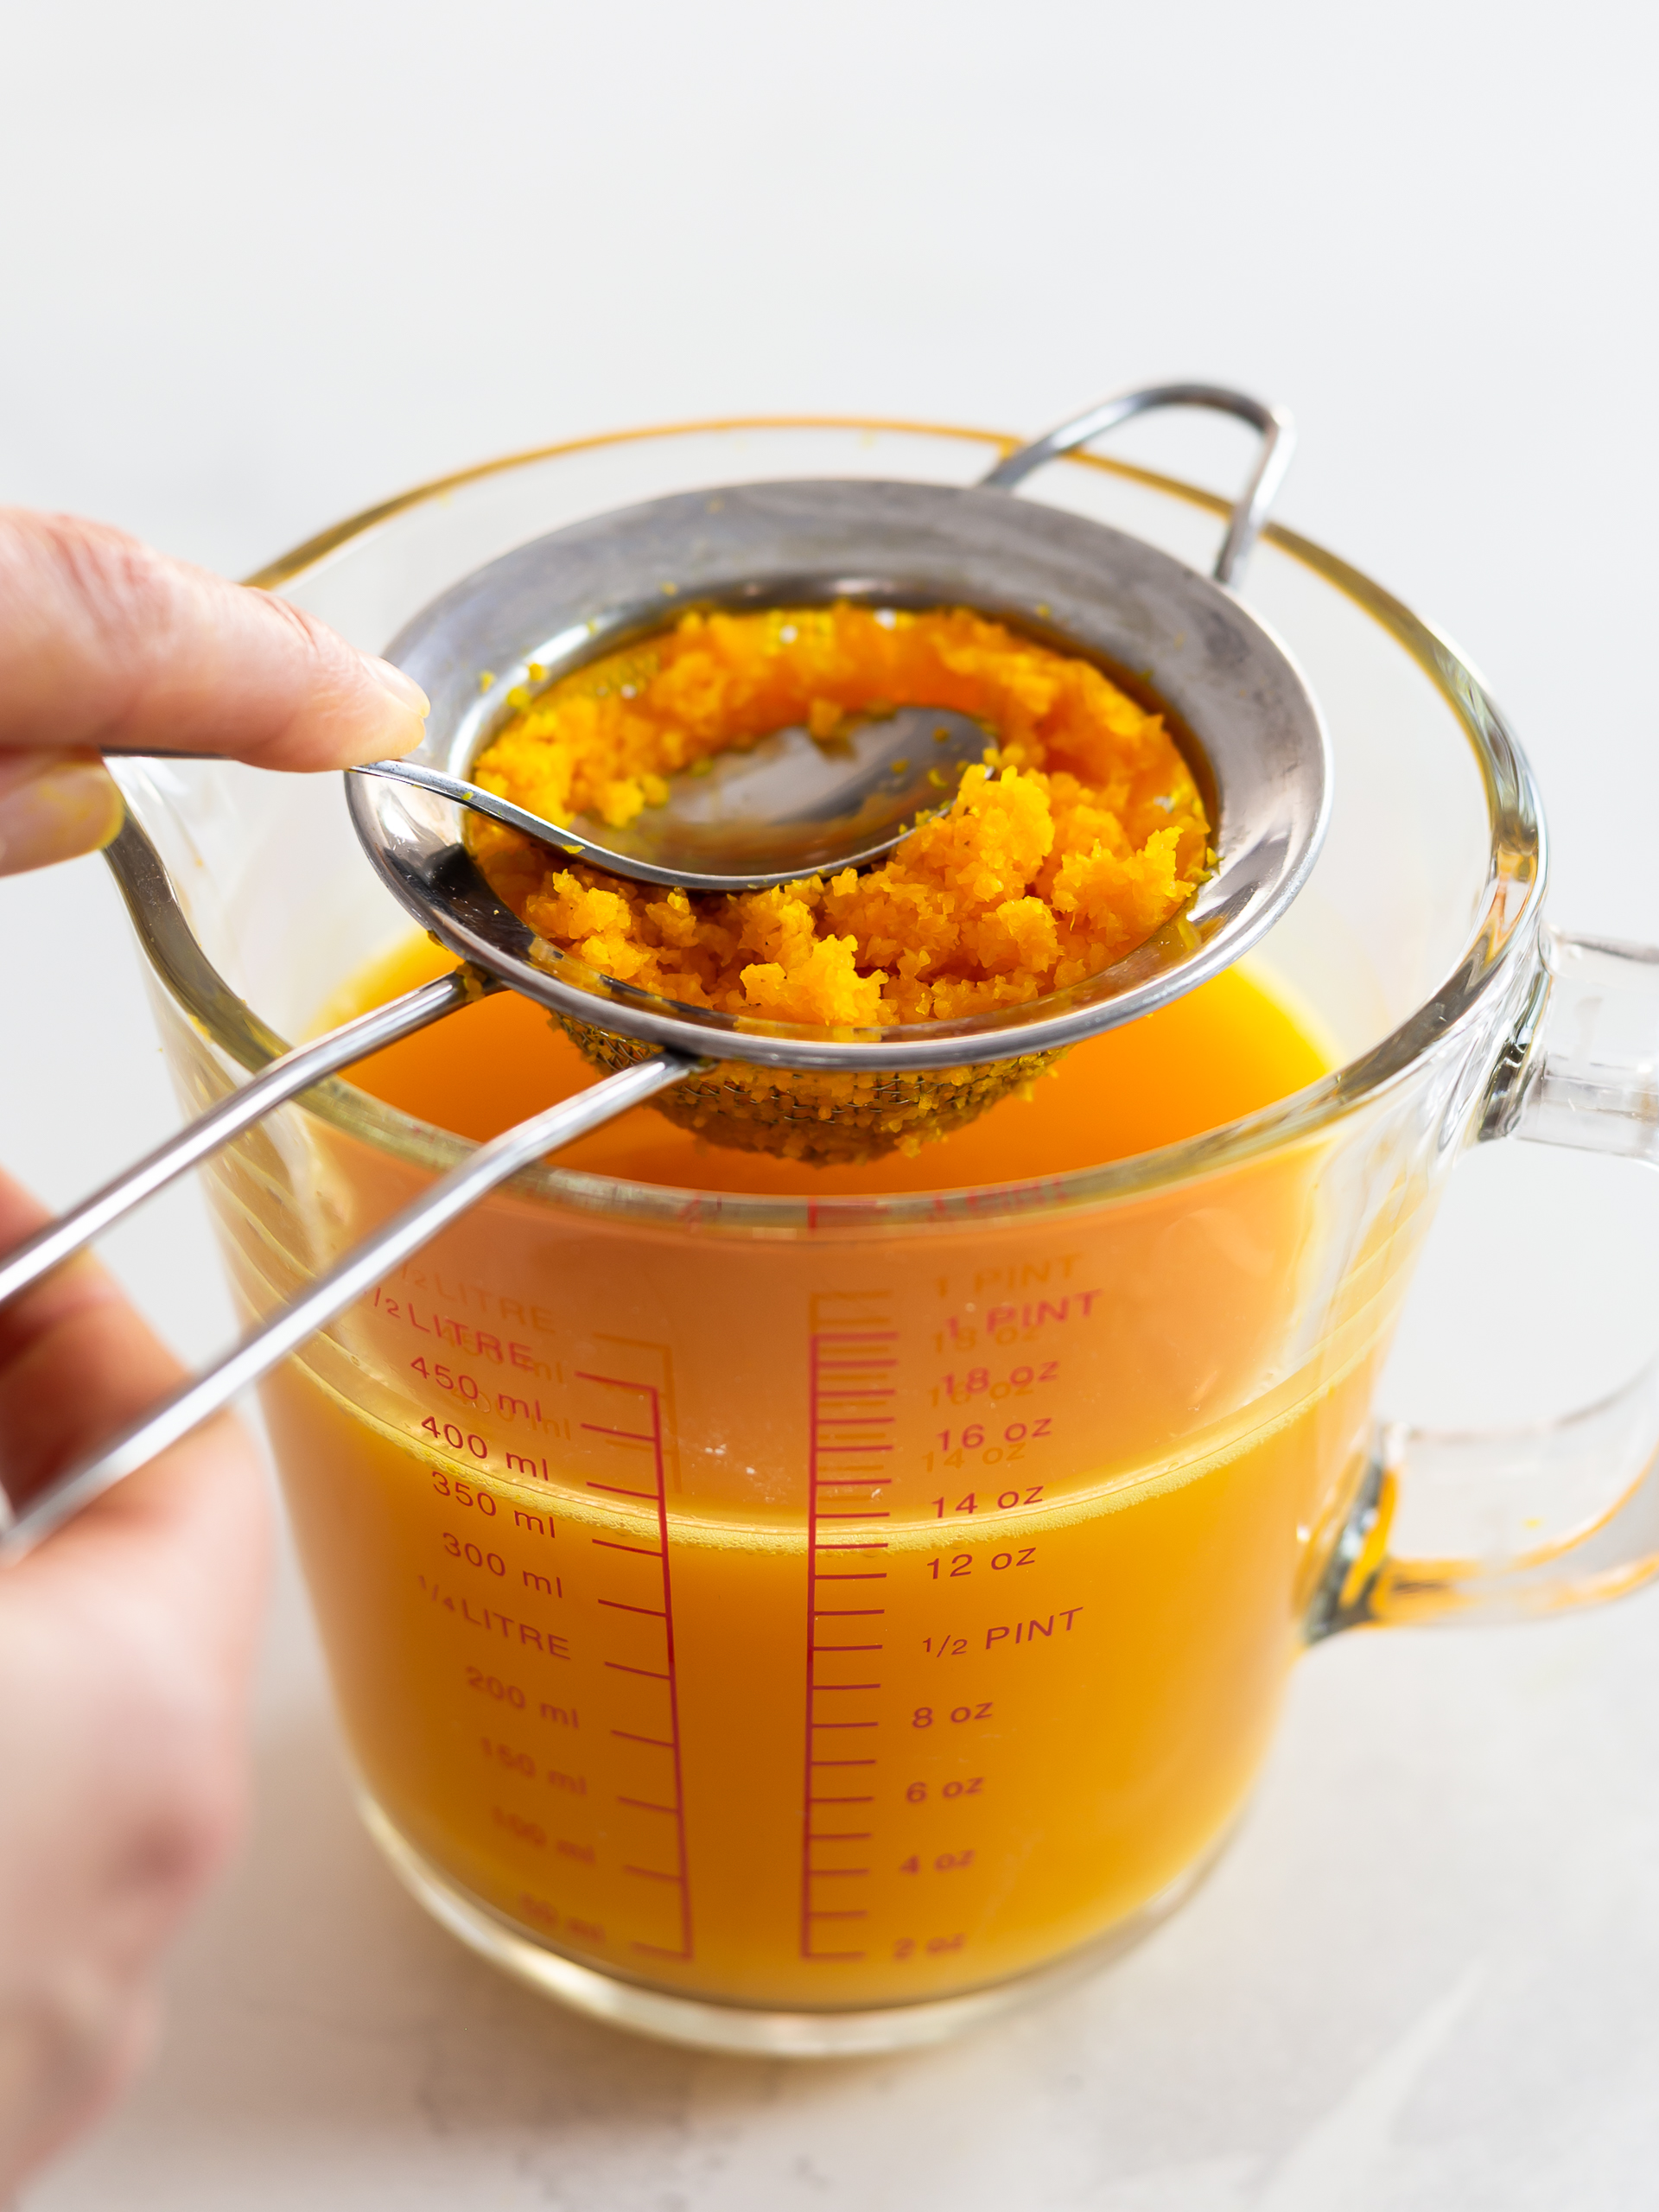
pixel 249 1103
pixel 24 1523
pixel 1277 430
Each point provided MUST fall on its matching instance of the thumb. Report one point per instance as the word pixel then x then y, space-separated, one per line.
pixel 107 645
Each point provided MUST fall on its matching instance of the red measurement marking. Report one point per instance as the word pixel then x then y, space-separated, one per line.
pixel 850 1394
pixel 668 1802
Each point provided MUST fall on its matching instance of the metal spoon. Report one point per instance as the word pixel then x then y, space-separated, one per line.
pixel 790 805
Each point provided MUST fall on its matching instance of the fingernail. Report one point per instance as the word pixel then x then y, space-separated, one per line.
pixel 66 808
pixel 404 689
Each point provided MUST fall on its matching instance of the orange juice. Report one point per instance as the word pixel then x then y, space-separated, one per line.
pixel 833 1606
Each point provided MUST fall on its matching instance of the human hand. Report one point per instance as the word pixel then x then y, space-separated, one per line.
pixel 127 1640
pixel 125 1646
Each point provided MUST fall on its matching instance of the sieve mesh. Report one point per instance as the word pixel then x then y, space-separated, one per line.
pixel 826 1117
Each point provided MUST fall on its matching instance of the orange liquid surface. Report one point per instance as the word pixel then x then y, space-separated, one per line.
pixel 1221 1052
pixel 816 1620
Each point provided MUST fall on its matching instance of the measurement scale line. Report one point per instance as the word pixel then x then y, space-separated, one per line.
pixel 840 1836
pixel 849 1612
pixel 651 1438
pixel 650 1672
pixel 846 1763
pixel 845 1367
pixel 644 1805
pixel 841 1801
pixel 673 1686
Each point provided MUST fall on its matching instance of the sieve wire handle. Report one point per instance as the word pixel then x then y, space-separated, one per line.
pixel 24 1522
pixel 1249 513
pixel 249 1103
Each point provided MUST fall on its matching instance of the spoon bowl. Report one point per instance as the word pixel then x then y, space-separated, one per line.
pixel 787 806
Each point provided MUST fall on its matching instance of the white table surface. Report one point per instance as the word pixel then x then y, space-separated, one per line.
pixel 245 259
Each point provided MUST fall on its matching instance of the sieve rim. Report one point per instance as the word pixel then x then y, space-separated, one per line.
pixel 558 602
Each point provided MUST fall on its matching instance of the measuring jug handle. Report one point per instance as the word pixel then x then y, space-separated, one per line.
pixel 239 1109
pixel 1277 443
pixel 1562 1513
pixel 25 1519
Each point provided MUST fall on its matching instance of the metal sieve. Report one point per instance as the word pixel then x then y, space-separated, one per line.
pixel 1259 755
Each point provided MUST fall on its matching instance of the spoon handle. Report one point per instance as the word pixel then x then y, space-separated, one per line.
pixel 24 1522
pixel 249 1103
pixel 568 840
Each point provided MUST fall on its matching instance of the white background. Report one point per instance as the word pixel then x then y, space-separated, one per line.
pixel 260 266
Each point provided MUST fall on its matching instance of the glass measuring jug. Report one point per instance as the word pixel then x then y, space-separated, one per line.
pixel 804 1624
